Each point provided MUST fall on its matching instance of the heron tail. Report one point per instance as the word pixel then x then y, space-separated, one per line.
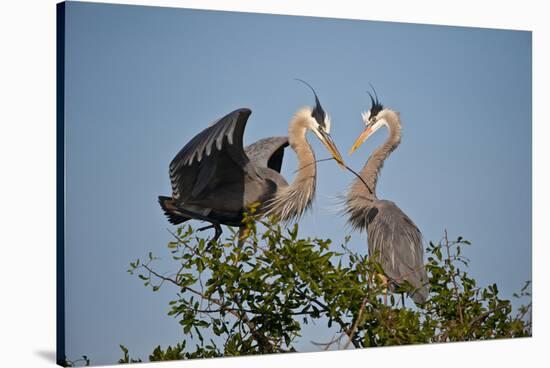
pixel 420 295
pixel 171 211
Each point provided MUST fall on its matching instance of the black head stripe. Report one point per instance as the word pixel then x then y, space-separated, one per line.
pixel 317 113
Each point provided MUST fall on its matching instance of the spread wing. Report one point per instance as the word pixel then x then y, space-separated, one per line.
pixel 268 152
pixel 215 155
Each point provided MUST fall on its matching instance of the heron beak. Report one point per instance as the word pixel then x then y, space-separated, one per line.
pixel 329 143
pixel 361 139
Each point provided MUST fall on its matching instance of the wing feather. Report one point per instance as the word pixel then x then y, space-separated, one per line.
pixel 397 243
pixel 198 162
pixel 268 152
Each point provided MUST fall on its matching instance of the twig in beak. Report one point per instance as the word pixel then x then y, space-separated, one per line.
pixel 346 166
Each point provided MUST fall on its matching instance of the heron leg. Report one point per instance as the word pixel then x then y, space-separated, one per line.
pixel 217 233
pixel 384 281
pixel 205 227
pixel 213 224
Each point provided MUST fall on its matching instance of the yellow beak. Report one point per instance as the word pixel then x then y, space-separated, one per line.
pixel 329 143
pixel 362 138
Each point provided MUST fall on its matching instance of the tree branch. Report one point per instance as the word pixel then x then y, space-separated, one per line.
pixel 453 279
pixel 356 323
pixel 325 309
pixel 482 316
pixel 260 338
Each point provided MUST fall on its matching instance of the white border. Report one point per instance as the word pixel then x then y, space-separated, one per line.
pixel 27 183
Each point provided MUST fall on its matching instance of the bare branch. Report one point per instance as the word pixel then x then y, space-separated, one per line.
pixel 453 279
pixel 356 323
pixel 260 338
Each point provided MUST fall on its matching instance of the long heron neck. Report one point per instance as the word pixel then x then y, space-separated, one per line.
pixel 307 168
pixel 292 201
pixel 371 170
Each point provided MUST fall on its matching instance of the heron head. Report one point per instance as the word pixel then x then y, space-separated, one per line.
pixel 319 124
pixel 373 119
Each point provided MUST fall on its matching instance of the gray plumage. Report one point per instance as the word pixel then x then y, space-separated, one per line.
pixel 393 239
pixel 267 152
pixel 215 180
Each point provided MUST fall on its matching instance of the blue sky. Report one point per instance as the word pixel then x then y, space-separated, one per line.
pixel 141 81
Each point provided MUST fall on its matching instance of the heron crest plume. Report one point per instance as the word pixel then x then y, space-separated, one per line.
pixel 376 106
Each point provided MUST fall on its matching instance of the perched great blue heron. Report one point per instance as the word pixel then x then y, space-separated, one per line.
pixel 393 239
pixel 214 179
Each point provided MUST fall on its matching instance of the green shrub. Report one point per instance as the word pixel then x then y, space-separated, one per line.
pixel 253 294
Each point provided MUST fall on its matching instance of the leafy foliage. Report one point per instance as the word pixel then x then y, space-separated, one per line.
pixel 84 361
pixel 254 292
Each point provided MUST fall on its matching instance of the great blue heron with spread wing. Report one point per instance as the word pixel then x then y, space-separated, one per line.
pixel 393 239
pixel 215 180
